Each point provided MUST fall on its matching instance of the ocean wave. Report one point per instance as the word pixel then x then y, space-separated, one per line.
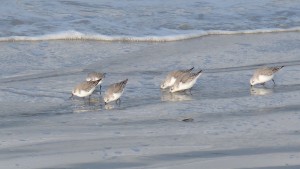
pixel 75 35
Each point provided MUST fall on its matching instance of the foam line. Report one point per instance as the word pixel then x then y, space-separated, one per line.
pixel 75 35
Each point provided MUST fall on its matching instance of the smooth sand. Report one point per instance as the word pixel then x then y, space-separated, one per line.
pixel 234 126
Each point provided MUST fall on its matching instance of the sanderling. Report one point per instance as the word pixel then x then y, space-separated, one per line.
pixel 264 74
pixel 186 81
pixel 96 76
pixel 172 76
pixel 84 89
pixel 114 92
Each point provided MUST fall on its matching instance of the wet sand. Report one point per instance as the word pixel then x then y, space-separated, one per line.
pixel 234 126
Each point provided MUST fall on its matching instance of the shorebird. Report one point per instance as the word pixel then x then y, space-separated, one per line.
pixel 263 75
pixel 96 76
pixel 114 92
pixel 172 76
pixel 186 81
pixel 84 89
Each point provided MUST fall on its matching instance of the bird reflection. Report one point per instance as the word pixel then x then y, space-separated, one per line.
pixel 93 104
pixel 108 106
pixel 180 96
pixel 257 91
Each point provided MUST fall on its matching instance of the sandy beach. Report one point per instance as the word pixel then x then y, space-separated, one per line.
pixel 234 126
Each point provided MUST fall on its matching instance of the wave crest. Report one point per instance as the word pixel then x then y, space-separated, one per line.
pixel 75 35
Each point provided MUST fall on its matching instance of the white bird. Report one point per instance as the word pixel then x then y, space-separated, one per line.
pixel 114 92
pixel 186 81
pixel 263 75
pixel 172 76
pixel 84 89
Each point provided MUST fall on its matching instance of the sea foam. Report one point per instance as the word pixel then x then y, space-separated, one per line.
pixel 76 35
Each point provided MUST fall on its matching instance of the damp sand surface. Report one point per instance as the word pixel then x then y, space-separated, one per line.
pixel 229 125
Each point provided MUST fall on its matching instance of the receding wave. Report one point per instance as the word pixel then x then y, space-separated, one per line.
pixel 75 35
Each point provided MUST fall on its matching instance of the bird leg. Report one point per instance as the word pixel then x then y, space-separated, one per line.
pixel 89 99
pixel 118 100
pixel 71 96
pixel 273 82
pixel 100 89
pixel 190 91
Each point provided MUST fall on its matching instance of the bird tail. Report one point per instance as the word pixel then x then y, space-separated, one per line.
pixel 275 69
pixel 200 71
pixel 189 70
pixel 124 82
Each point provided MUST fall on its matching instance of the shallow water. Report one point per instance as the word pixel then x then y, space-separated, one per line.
pixel 47 47
pixel 143 20
pixel 42 128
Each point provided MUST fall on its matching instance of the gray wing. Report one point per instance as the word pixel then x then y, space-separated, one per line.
pixel 86 86
pixel 178 73
pixel 267 71
pixel 93 76
pixel 187 70
pixel 188 77
pixel 117 87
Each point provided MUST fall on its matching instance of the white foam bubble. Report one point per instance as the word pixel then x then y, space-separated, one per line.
pixel 75 35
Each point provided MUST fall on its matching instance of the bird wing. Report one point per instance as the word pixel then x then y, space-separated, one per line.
pixel 267 71
pixel 93 76
pixel 87 85
pixel 188 77
pixel 117 87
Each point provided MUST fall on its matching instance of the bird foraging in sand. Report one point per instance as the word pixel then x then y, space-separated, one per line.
pixel 114 92
pixel 263 75
pixel 85 88
pixel 172 76
pixel 185 82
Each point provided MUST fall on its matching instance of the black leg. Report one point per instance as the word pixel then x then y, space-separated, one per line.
pixel 118 100
pixel 100 89
pixel 71 96
pixel 190 91
pixel 273 82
